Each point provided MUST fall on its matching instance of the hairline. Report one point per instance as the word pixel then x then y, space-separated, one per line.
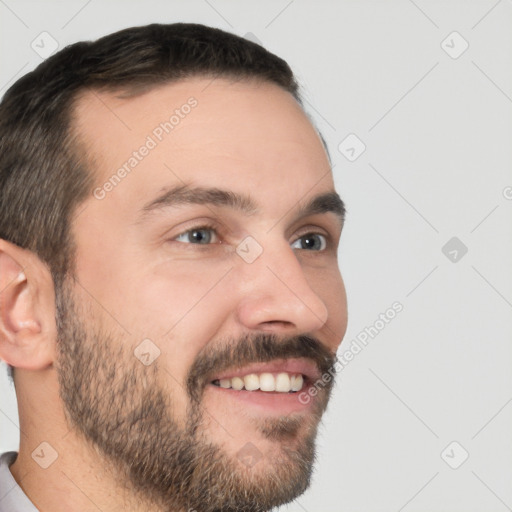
pixel 82 149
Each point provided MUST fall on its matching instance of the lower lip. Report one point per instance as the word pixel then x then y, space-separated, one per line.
pixel 268 402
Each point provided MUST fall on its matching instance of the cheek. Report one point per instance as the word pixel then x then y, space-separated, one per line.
pixel 171 291
pixel 181 311
pixel 181 307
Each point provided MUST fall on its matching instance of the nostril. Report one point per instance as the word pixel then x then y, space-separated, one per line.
pixel 272 324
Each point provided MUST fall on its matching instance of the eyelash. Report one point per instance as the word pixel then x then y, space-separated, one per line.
pixel 210 227
pixel 207 227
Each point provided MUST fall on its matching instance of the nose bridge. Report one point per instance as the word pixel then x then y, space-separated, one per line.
pixel 276 291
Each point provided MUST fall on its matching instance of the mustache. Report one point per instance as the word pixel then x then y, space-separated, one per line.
pixel 259 348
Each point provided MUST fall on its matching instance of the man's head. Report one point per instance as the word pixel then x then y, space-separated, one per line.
pixel 169 262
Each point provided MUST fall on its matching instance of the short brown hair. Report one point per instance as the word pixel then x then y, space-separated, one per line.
pixel 43 176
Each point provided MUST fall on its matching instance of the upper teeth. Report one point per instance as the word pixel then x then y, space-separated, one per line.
pixel 282 382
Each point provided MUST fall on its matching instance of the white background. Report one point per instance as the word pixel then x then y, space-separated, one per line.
pixel 438 133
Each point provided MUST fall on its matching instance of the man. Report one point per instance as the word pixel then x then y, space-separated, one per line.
pixel 171 300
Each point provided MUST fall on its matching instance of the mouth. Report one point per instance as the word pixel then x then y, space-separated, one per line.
pixel 274 387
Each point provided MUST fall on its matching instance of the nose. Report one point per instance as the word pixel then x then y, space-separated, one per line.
pixel 277 297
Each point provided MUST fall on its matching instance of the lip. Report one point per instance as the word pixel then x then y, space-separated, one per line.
pixel 269 403
pixel 295 366
pixel 262 402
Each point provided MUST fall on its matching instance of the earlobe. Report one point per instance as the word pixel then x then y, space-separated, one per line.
pixel 27 322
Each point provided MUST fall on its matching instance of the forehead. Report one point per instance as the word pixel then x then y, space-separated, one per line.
pixel 242 135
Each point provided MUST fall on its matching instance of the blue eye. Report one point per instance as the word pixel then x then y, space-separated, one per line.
pixel 199 236
pixel 311 242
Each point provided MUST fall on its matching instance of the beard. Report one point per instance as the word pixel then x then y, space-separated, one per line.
pixel 123 413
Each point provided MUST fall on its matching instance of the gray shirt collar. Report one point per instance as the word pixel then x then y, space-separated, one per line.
pixel 12 498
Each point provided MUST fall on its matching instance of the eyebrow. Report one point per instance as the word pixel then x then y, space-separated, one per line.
pixel 329 202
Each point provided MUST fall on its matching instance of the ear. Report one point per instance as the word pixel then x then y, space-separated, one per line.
pixel 27 309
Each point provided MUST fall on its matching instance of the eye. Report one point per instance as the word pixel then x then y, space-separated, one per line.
pixel 201 236
pixel 311 241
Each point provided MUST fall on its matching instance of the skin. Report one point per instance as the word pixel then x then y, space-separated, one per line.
pixel 139 279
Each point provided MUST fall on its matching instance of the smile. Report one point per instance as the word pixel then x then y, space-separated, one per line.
pixel 273 384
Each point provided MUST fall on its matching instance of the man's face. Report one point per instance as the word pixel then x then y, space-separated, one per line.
pixel 205 266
